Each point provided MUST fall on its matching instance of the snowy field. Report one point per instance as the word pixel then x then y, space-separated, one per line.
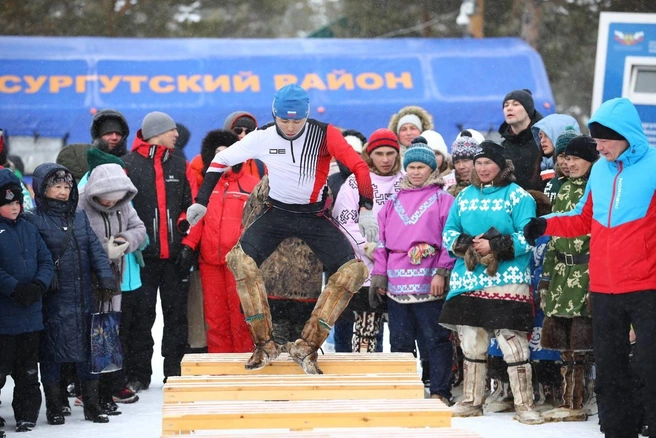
pixel 143 419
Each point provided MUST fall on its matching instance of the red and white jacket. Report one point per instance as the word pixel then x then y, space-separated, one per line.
pixel 298 168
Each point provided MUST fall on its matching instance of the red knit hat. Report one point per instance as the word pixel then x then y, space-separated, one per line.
pixel 382 137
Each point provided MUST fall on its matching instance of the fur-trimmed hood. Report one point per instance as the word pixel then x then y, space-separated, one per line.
pixel 504 178
pixel 424 116
pixel 121 148
pixel 434 179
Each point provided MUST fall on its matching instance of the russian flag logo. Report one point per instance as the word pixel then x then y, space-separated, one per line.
pixel 291 113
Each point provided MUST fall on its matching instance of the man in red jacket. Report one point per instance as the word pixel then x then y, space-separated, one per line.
pixel 618 210
pixel 164 195
pixel 297 152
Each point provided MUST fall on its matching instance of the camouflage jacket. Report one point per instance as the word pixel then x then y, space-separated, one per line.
pixel 568 290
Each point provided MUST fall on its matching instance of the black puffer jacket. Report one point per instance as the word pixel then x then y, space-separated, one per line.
pixel 524 153
pixel 66 311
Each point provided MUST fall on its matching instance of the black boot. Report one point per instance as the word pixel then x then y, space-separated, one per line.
pixel 105 395
pixel 425 372
pixel 54 401
pixel 66 406
pixel 92 410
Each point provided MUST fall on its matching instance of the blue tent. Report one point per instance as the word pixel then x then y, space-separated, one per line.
pixel 52 86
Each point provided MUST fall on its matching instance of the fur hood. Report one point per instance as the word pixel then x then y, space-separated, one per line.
pixel 504 178
pixel 424 116
pixel 434 179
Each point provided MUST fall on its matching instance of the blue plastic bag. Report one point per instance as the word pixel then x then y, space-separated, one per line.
pixel 106 353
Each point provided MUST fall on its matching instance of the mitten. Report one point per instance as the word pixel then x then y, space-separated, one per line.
pixel 138 257
pixel 535 228
pixel 116 250
pixel 368 225
pixel 27 294
pixel 195 213
pixel 377 282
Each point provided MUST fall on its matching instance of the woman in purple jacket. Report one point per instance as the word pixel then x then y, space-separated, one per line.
pixel 411 267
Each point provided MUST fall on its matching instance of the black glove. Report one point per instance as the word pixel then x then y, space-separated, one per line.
pixel 534 229
pixel 184 260
pixel 184 226
pixel 27 294
pixel 104 294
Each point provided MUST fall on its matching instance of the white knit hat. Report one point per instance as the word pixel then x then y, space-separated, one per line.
pixel 436 143
pixel 409 118
pixel 480 138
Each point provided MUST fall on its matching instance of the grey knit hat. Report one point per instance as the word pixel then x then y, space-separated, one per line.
pixel 156 123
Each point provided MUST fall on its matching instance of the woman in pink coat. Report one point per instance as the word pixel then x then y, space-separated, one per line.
pixel 411 266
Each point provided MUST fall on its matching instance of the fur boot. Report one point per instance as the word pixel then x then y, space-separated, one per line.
pixel 252 295
pixel 573 388
pixel 333 300
pixel 501 399
pixel 522 388
pixel 473 389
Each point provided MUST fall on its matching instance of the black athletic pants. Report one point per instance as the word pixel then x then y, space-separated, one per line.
pixel 317 229
pixel 612 317
pixel 157 275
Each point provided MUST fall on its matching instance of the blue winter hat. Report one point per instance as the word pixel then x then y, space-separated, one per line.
pixel 291 102
pixel 419 151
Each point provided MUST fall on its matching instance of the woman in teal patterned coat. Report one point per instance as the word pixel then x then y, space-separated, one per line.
pixel 564 288
pixel 489 284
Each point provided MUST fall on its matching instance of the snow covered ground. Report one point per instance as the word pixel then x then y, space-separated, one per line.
pixel 143 419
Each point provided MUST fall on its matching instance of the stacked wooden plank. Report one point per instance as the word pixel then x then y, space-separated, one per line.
pixel 362 392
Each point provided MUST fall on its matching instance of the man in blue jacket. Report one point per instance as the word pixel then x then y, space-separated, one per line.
pixel 26 270
pixel 618 210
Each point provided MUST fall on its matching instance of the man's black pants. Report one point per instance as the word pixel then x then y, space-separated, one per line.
pixel 612 317
pixel 316 229
pixel 162 275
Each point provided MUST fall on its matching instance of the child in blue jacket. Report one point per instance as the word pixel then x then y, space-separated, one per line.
pixel 26 270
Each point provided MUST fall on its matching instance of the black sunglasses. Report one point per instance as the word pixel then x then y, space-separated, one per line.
pixel 239 129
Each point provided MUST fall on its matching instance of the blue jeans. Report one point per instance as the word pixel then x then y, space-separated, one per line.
pixel 405 320
pixel 51 372
pixel 343 333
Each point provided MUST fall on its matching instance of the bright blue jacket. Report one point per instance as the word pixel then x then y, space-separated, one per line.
pixel 24 258
pixel 618 208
